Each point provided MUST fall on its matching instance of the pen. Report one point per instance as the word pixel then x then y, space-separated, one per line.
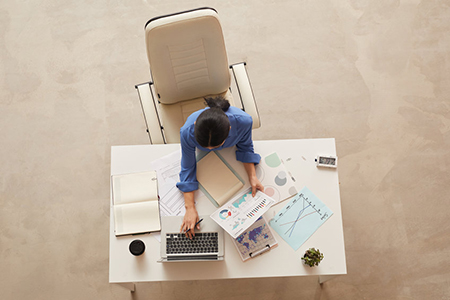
pixel 195 225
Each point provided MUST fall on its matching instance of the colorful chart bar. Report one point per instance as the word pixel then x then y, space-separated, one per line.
pixel 255 210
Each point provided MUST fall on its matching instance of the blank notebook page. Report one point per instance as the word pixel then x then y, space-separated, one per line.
pixel 135 187
pixel 137 217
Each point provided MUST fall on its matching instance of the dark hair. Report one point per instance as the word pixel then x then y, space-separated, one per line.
pixel 212 126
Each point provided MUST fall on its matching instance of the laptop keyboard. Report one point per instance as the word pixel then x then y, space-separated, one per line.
pixel 202 242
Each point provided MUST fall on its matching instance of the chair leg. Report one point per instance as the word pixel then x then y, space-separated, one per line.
pixel 150 112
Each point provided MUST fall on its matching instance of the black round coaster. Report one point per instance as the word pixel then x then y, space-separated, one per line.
pixel 137 247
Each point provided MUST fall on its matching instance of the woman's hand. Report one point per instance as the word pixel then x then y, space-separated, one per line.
pixel 254 181
pixel 189 221
pixel 191 215
pixel 256 185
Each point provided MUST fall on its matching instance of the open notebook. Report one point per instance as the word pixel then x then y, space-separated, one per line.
pixel 217 179
pixel 135 203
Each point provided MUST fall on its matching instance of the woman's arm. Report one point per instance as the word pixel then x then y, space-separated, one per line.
pixel 188 174
pixel 188 182
pixel 254 181
pixel 244 145
pixel 246 154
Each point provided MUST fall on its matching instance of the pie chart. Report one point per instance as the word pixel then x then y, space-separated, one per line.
pixel 224 214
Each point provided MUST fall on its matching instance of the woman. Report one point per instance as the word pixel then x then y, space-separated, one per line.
pixel 216 127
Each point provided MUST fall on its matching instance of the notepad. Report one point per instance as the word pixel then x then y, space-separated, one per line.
pixel 217 179
pixel 135 203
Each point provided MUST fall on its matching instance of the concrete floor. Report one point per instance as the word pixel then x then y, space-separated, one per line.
pixel 373 74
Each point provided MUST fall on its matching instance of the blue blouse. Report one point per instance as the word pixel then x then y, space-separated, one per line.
pixel 240 135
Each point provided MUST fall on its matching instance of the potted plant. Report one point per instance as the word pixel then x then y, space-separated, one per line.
pixel 312 257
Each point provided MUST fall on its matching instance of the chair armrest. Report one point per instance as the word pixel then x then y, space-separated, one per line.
pixel 151 118
pixel 246 93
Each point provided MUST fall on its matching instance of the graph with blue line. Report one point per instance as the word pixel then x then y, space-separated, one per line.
pixel 297 221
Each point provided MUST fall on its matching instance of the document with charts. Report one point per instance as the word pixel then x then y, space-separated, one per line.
pixel 238 214
pixel 297 221
pixel 277 180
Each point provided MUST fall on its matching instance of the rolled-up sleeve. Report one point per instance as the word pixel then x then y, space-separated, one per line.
pixel 188 177
pixel 245 152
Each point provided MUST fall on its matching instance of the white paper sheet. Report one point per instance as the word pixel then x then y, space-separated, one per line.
pixel 277 181
pixel 171 199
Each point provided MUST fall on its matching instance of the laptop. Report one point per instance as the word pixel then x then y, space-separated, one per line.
pixel 207 245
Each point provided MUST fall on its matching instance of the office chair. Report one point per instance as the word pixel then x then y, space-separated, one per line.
pixel 188 62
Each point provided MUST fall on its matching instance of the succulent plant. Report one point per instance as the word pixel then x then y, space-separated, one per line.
pixel 312 257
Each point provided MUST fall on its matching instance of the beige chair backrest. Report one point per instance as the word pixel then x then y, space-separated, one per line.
pixel 187 56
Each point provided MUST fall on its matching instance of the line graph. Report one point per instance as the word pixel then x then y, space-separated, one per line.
pixel 300 218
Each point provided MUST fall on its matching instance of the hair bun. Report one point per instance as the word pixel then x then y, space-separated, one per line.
pixel 218 102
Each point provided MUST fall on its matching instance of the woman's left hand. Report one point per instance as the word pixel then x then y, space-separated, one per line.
pixel 254 181
pixel 256 185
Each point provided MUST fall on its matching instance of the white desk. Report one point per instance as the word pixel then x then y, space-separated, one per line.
pixel 282 261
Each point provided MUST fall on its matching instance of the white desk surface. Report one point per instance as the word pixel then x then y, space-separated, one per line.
pixel 281 261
